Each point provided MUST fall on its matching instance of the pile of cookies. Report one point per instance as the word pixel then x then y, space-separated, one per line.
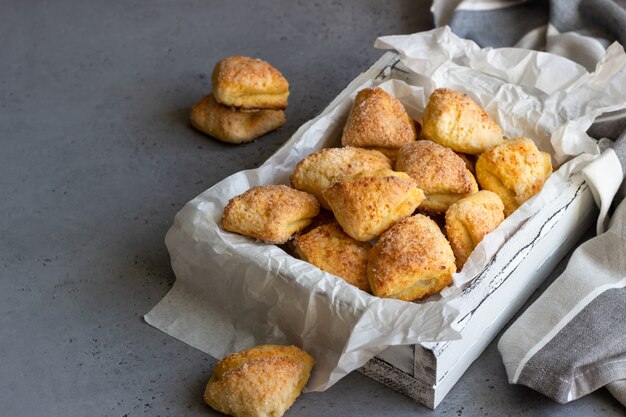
pixel 248 100
pixel 396 212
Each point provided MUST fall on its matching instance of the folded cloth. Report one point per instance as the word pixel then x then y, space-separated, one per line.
pixel 572 339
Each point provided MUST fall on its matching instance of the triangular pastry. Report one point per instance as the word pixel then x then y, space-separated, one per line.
pixel 454 120
pixel 263 381
pixel 270 213
pixel 249 83
pixel 378 119
pixel 515 170
pixel 411 261
pixel 439 172
pixel 371 202
pixel 233 126
pixel 330 249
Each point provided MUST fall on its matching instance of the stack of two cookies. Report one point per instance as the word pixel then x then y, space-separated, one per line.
pixel 248 99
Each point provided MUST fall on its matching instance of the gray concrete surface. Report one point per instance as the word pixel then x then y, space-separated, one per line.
pixel 96 157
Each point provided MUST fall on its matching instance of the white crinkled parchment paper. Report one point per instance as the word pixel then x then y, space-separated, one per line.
pixel 232 293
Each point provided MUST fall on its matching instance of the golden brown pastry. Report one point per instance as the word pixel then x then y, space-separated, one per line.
pixel 411 261
pixel 233 126
pixel 369 203
pixel 315 173
pixel 391 153
pixel 329 248
pixel 263 381
pixel 249 83
pixel 454 120
pixel 439 172
pixel 469 220
pixel 271 213
pixel 515 170
pixel 378 119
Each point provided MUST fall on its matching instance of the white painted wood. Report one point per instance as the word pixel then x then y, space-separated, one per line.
pixel 519 268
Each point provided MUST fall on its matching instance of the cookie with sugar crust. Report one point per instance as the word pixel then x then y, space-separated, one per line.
pixel 454 120
pixel 411 261
pixel 330 249
pixel 378 120
pixel 515 170
pixel 318 171
pixel 270 213
pixel 367 204
pixel 258 382
pixel 233 126
pixel 469 220
pixel 439 172
pixel 249 83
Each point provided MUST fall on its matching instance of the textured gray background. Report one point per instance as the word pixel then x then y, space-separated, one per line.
pixel 97 156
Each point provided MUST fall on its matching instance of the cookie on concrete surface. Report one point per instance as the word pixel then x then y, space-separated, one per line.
pixel 262 381
pixel 249 83
pixel 233 126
